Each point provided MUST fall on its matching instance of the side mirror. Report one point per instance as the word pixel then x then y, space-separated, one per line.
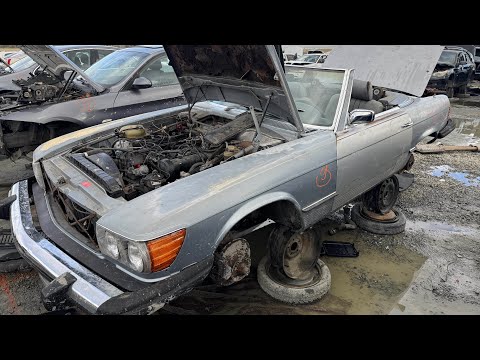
pixel 321 60
pixel 141 83
pixel 361 115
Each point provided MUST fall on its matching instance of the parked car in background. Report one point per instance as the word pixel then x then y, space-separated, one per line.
pixel 65 98
pixel 137 212
pixel 5 54
pixel 308 59
pixel 22 68
pixel 14 57
pixel 453 72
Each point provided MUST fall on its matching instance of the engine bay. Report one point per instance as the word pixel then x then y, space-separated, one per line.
pixel 38 88
pixel 137 159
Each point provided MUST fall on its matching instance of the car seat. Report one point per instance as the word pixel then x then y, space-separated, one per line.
pixel 362 97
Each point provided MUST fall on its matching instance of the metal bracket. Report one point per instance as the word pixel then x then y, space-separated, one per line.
pixel 54 295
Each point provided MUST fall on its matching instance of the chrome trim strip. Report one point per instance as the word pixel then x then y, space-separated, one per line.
pixel 318 202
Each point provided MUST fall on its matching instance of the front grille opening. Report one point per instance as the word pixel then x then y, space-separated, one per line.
pixel 77 217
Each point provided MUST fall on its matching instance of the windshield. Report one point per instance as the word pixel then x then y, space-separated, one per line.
pixel 448 57
pixel 23 64
pixel 316 93
pixel 309 58
pixel 115 67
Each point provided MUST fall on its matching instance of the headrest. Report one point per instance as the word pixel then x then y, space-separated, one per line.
pixel 362 90
pixel 156 66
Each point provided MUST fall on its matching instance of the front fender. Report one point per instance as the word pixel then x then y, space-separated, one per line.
pixel 252 205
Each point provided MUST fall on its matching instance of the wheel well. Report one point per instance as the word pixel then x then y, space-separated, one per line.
pixel 20 134
pixel 58 128
pixel 282 212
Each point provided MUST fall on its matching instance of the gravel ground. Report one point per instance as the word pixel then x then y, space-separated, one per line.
pixel 432 268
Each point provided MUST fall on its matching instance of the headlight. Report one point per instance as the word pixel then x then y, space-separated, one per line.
pixel 150 256
pixel 440 74
pixel 110 245
pixel 138 257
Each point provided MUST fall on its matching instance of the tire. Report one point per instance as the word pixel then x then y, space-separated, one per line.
pixel 382 197
pixel 396 226
pixel 294 295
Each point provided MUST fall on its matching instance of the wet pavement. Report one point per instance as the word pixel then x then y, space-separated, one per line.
pixel 432 268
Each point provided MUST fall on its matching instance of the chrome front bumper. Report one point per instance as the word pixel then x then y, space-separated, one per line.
pixel 89 291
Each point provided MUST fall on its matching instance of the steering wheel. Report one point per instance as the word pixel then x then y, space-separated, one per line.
pixel 306 105
pixel 311 114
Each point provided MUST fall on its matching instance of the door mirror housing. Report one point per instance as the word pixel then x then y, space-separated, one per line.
pixel 141 83
pixel 361 115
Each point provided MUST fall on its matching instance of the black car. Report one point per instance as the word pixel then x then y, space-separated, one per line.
pixel 61 97
pixel 454 70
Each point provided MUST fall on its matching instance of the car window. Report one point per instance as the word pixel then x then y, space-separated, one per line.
pixel 477 51
pixel 462 58
pixel 159 72
pixel 115 67
pixel 316 93
pixel 103 53
pixel 309 58
pixel 81 58
pixel 448 57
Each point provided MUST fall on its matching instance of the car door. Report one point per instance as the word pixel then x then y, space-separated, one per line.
pixel 369 152
pixel 165 90
pixel 464 70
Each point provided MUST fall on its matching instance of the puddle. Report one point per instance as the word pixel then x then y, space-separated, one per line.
pixel 372 283
pixel 463 177
pixel 467 127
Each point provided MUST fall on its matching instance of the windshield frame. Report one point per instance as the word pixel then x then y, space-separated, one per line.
pixel 341 101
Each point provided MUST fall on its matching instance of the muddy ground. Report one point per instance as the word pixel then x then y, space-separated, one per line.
pixel 432 268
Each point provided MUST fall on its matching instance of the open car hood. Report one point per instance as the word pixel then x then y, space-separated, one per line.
pixel 48 57
pixel 241 74
pixel 405 68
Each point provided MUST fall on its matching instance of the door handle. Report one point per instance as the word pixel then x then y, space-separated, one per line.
pixel 408 124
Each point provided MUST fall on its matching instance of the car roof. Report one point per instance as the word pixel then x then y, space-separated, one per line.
pixel 71 47
pixel 149 49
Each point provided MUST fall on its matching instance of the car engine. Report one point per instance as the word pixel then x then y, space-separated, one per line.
pixel 139 159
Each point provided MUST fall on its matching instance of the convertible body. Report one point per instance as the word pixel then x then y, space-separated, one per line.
pixel 133 211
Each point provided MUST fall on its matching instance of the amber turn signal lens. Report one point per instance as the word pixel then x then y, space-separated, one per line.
pixel 164 250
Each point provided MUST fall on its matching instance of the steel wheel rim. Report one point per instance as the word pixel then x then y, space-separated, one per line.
pixel 300 255
pixel 387 194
